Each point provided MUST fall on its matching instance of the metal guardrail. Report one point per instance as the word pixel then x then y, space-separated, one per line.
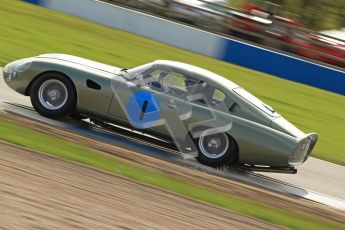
pixel 224 27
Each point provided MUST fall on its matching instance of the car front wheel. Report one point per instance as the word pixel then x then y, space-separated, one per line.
pixel 52 95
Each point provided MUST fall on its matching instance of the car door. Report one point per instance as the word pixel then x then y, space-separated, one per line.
pixel 148 103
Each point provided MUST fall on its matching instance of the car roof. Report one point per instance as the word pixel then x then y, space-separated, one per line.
pixel 202 74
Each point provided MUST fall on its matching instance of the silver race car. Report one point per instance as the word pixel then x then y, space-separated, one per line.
pixel 206 115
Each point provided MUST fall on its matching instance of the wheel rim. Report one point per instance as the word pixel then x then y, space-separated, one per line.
pixel 213 145
pixel 53 94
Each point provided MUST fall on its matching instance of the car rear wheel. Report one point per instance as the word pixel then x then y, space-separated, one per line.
pixel 53 95
pixel 215 149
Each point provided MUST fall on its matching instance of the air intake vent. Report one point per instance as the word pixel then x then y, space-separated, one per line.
pixel 93 85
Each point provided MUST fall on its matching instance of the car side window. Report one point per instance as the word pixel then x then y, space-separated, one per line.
pixel 174 80
pixel 152 75
pixel 218 95
pixel 195 90
pixel 176 84
pixel 165 80
pixel 153 78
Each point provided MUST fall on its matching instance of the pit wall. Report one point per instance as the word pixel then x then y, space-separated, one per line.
pixel 205 43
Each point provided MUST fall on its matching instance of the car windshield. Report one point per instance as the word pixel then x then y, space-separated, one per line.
pixel 256 102
pixel 133 73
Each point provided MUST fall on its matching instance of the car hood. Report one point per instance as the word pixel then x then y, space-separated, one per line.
pixel 285 126
pixel 82 61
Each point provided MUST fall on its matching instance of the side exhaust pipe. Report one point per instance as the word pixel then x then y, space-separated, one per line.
pixel 289 170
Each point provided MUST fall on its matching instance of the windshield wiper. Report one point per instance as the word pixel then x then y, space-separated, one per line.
pixel 126 69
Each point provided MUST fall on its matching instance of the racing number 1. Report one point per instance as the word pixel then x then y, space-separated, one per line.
pixel 143 110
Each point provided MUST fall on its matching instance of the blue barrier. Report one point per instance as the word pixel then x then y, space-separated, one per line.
pixel 285 66
pixel 38 2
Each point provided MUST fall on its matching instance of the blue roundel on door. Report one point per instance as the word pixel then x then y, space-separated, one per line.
pixel 143 109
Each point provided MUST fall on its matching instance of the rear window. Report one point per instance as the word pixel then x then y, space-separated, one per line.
pixel 256 102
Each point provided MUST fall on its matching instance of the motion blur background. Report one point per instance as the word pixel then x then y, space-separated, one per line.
pixel 314 14
pixel 311 29
pixel 290 54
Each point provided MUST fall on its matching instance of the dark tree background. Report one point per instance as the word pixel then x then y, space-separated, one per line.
pixel 315 14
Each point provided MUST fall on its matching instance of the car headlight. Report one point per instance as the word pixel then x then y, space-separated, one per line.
pixel 12 69
pixel 25 65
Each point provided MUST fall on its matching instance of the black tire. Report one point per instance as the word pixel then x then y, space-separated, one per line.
pixel 40 104
pixel 230 152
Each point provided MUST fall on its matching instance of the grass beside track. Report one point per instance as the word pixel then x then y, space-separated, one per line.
pixel 27 30
pixel 28 138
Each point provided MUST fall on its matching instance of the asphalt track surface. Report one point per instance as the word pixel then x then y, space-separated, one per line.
pixel 316 180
